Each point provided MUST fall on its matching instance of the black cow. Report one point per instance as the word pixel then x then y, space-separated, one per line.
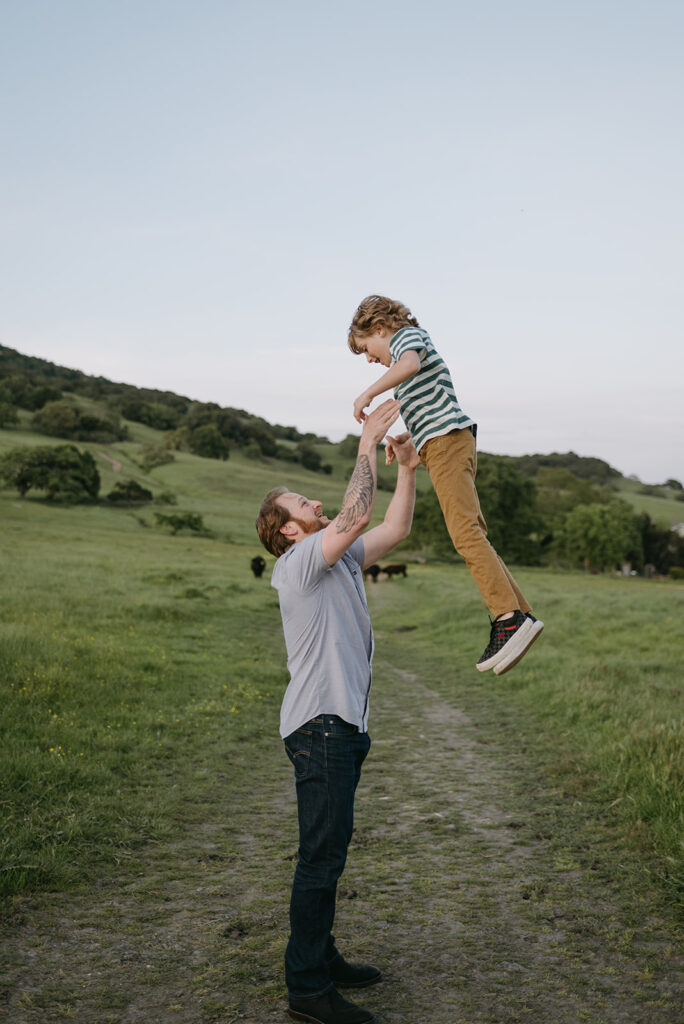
pixel 373 571
pixel 258 565
pixel 394 570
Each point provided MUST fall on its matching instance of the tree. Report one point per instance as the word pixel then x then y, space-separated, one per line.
pixel 253 451
pixel 559 491
pixel 349 446
pixel 508 502
pixel 199 414
pixel 507 499
pixel 8 415
pixel 19 390
pixel 261 433
pixel 177 440
pixel 232 426
pixel 308 456
pixel 661 546
pixel 595 470
pixel 208 442
pixel 62 419
pixel 56 419
pixel 181 521
pixel 130 492
pixel 283 453
pixel 63 472
pixel 159 416
pixel 155 455
pixel 428 527
pixel 600 536
pixel 35 398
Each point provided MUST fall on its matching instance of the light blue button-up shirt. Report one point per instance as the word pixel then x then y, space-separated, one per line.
pixel 328 634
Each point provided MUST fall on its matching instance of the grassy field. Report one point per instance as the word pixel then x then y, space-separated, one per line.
pixel 119 639
pixel 139 668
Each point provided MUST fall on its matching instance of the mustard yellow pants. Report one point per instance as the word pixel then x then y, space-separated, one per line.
pixel 451 461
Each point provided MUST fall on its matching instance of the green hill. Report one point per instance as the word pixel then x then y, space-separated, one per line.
pixel 198 454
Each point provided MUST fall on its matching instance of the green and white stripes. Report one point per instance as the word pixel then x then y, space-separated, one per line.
pixel 429 406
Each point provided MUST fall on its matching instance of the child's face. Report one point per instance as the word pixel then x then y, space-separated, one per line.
pixel 376 346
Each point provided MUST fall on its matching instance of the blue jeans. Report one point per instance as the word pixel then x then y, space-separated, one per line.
pixel 327 754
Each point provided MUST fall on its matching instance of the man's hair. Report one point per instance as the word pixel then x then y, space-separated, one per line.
pixel 269 521
pixel 377 311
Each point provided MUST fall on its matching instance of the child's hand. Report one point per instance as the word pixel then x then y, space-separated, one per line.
pixel 378 422
pixel 359 405
pixel 390 449
pixel 402 449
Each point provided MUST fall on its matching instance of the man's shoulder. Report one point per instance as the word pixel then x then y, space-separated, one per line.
pixel 301 562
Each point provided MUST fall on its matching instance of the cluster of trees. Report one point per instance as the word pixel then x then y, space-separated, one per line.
pixel 203 428
pixel 64 419
pixel 596 471
pixel 130 492
pixel 177 521
pixel 670 489
pixel 538 508
pixel 65 474
pixel 554 516
pixel 62 471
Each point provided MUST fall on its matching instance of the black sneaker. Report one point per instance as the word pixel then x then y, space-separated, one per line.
pixel 330 1008
pixel 508 641
pixel 513 656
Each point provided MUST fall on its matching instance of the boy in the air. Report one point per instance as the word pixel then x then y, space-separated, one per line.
pixel 385 332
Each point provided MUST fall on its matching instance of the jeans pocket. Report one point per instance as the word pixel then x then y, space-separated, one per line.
pixel 340 729
pixel 298 749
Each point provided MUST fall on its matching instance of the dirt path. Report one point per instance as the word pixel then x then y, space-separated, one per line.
pixel 461 883
pixel 116 466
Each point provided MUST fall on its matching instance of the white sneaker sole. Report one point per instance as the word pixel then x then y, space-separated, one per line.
pixel 513 657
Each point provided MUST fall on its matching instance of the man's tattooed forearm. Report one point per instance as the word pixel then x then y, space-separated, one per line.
pixel 358 497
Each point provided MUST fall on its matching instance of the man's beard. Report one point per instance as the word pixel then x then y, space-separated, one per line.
pixel 308 526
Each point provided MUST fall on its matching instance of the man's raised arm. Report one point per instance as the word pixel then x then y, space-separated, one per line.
pixel 357 506
pixel 396 525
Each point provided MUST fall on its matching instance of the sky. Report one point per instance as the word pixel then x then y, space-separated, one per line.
pixel 195 195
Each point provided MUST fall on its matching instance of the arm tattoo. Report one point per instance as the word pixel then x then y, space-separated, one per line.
pixel 358 497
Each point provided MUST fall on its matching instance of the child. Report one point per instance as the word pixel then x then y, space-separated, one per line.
pixel 387 333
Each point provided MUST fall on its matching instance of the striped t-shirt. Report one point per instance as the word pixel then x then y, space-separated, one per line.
pixel 429 406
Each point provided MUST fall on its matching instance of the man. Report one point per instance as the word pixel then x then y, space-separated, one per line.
pixel 324 715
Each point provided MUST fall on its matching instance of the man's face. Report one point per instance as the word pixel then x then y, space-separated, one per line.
pixel 305 513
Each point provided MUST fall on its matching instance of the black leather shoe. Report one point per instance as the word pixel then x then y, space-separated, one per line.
pixel 330 1008
pixel 344 975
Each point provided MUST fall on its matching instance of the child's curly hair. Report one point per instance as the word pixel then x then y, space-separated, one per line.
pixel 378 311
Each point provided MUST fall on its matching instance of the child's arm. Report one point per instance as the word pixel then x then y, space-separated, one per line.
pixel 405 367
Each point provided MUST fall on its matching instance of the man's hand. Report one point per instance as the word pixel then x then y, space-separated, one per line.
pixel 378 422
pixel 359 405
pixel 402 449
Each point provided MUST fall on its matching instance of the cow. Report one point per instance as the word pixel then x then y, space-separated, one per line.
pixel 258 565
pixel 394 570
pixel 373 571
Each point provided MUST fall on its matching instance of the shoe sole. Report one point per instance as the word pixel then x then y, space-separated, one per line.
pixel 296 1015
pixel 515 657
pixel 515 644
